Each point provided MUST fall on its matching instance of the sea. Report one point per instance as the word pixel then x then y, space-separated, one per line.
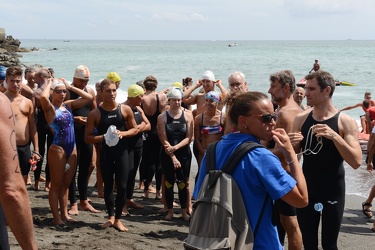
pixel 170 61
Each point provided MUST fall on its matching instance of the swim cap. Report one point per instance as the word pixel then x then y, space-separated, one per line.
pixel 82 72
pixel 213 95
pixel 114 77
pixel 2 72
pixel 208 75
pixel 177 85
pixel 135 90
pixel 56 83
pixel 174 93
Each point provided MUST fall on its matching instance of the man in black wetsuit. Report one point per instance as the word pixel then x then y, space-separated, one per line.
pixel 84 151
pixel 327 138
pixel 114 160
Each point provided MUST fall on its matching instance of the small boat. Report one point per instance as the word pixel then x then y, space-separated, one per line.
pixel 346 83
pixel 66 41
pixel 233 45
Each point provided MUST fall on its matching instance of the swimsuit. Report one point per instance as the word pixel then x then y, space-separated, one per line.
pixel 63 130
pixel 212 130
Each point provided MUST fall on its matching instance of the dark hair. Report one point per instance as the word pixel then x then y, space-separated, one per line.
pixel 324 79
pixel 185 81
pixel 284 77
pixel 43 73
pixel 366 103
pixel 243 104
pixel 14 71
pixel 150 82
pixel 29 69
pixel 106 82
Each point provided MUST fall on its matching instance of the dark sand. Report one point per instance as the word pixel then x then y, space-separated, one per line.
pixel 148 230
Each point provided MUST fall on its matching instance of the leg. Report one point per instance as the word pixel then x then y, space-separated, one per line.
pixel 169 175
pixel 107 170
pixel 366 206
pixel 68 175
pixel 57 158
pixel 331 221
pixel 308 220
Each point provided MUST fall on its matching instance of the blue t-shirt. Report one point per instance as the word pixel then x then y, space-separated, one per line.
pixel 259 174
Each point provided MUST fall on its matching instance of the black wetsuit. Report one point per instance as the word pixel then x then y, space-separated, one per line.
pixel 44 134
pixel 151 151
pixel 114 161
pixel 24 155
pixel 176 130
pixel 135 145
pixel 84 154
pixel 325 179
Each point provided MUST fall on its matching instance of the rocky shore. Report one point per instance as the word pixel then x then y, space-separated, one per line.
pixel 9 48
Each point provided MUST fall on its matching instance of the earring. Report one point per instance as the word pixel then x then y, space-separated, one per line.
pixel 245 127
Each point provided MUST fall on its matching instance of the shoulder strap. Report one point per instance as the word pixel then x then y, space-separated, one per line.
pixel 237 155
pixel 211 157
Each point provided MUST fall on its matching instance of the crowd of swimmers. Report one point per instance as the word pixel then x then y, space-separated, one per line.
pixel 69 126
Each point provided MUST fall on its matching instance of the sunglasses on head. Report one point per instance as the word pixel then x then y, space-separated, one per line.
pixel 266 118
pixel 59 91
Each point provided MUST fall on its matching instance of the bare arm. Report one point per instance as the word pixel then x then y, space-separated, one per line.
pixel 188 99
pixel 33 132
pixel 13 195
pixel 79 102
pixel 370 152
pixel 92 122
pixel 352 107
pixel 197 133
pixel 49 110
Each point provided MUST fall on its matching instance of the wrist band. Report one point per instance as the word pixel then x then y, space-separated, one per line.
pixel 40 156
pixel 290 162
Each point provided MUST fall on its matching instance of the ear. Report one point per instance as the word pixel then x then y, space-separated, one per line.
pixel 241 121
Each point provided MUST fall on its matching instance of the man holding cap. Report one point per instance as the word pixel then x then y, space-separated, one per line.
pixel 84 151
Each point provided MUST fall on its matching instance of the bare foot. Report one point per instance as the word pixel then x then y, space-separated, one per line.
pixel 145 194
pixel 163 210
pixel 28 182
pixel 68 218
pixel 158 195
pixel 184 215
pixel 175 204
pixel 73 209
pixel 133 204
pixel 141 185
pixel 151 189
pixel 119 226
pixel 42 179
pixel 109 223
pixel 36 186
pixel 47 186
pixel 169 216
pixel 100 195
pixel 125 211
pixel 86 206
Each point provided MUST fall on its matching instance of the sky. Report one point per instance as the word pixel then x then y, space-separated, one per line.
pixel 189 20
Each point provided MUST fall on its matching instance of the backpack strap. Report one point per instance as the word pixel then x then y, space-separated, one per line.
pixel 211 157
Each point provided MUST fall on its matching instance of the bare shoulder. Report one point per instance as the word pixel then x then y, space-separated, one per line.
pixel 347 123
pixel 6 111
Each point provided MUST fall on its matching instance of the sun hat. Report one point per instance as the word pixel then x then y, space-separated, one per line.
pixel 177 85
pixel 208 75
pixel 56 83
pixel 135 90
pixel 2 72
pixel 114 77
pixel 175 93
pixel 82 72
pixel 213 95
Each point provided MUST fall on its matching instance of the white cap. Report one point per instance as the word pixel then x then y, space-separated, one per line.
pixel 111 137
pixel 208 75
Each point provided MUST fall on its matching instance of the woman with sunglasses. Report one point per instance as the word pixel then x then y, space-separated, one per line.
pixel 208 126
pixel 259 175
pixel 62 154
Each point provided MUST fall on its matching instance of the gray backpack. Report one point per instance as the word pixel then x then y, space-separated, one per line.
pixel 219 219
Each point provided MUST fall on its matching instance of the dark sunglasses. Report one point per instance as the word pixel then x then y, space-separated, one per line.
pixel 266 118
pixel 59 91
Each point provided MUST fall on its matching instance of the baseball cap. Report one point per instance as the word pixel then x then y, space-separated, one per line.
pixel 208 75
pixel 175 93
pixel 177 85
pixel 2 72
pixel 113 76
pixel 213 95
pixel 135 90
pixel 82 72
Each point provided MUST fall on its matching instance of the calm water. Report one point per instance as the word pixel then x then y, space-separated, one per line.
pixel 170 61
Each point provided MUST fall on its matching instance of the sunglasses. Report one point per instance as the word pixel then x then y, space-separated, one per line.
pixel 59 91
pixel 266 118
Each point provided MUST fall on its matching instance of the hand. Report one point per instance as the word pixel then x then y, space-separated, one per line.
pixel 295 138
pixel 120 134
pixel 218 83
pixel 169 149
pixel 282 140
pixel 323 130
pixel 80 119
pixel 370 167
pixel 176 163
pixel 198 84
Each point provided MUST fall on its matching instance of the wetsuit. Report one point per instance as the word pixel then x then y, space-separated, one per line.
pixel 84 154
pixel 151 151
pixel 135 145
pixel 63 131
pixel 24 155
pixel 4 242
pixel 176 130
pixel 44 134
pixel 114 161
pixel 325 179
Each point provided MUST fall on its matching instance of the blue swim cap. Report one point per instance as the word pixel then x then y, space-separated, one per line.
pixel 2 72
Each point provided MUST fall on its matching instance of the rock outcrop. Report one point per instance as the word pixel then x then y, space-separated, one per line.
pixel 9 48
